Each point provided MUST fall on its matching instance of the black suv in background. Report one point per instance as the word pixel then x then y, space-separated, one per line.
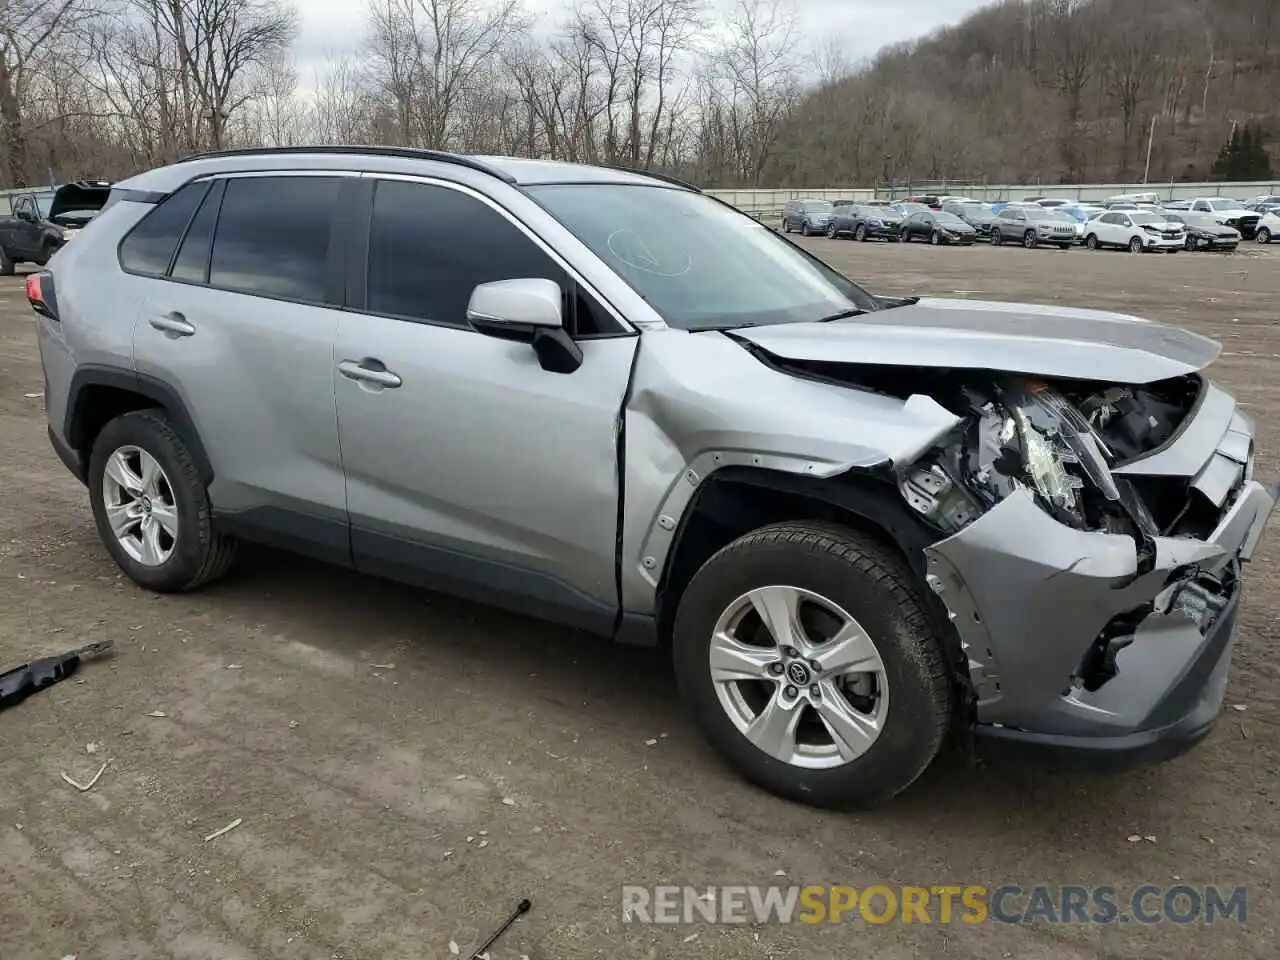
pixel 807 216
pixel 864 222
pixel 41 223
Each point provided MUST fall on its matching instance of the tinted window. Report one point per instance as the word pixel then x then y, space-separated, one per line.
pixel 193 257
pixel 429 247
pixel 149 246
pixel 273 236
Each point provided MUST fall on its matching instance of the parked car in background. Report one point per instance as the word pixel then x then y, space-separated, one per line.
pixel 977 215
pixel 807 216
pixel 1148 199
pixel 1137 231
pixel 1076 225
pixel 1032 225
pixel 1120 205
pixel 1176 205
pixel 41 223
pixel 937 227
pixel 864 222
pixel 1081 212
pixel 905 208
pixel 1203 231
pixel 1053 202
pixel 932 201
pixel 1268 228
pixel 1271 199
pixel 1262 207
pixel 1230 213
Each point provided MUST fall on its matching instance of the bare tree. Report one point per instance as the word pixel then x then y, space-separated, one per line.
pixel 29 32
pixel 1130 65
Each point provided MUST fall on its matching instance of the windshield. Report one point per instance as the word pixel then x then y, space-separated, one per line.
pixel 1074 213
pixel 700 264
pixel 1043 215
pixel 1141 216
pixel 818 206
pixel 974 210
pixel 949 219
pixel 906 209
pixel 44 205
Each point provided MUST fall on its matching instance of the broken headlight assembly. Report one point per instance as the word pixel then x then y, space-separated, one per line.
pixel 1022 435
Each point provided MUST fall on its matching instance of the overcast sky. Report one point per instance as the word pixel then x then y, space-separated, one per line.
pixel 863 26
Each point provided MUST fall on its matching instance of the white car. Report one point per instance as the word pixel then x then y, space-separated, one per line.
pixel 1229 213
pixel 1136 231
pixel 1268 228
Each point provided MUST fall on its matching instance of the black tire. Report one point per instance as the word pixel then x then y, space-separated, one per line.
pixel 903 238
pixel 1029 240
pixel 200 555
pixel 935 238
pixel 831 232
pixel 997 238
pixel 6 264
pixel 1065 246
pixel 1091 241
pixel 1263 235
pixel 1190 242
pixel 786 225
pixel 861 232
pixel 874 586
pixel 1135 245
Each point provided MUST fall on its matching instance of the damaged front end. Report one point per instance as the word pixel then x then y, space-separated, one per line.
pixel 1091 538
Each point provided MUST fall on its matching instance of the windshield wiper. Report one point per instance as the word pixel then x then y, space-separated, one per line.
pixel 843 315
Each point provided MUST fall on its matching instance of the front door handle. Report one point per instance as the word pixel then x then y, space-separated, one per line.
pixel 369 370
pixel 174 323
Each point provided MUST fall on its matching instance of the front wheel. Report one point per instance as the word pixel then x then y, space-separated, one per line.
pixel 1135 245
pixel 151 507
pixel 861 232
pixel 1091 241
pixel 831 232
pixel 934 238
pixel 810 666
pixel 997 238
pixel 1263 235
pixel 1029 240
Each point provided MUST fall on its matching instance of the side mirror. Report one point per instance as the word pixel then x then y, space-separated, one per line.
pixel 526 311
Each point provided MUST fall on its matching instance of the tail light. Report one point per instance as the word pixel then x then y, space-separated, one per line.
pixel 40 294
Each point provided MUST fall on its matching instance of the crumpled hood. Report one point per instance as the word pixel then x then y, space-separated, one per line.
pixel 1023 338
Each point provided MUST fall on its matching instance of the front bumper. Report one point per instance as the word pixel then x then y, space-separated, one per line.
pixel 1030 599
pixel 1164 243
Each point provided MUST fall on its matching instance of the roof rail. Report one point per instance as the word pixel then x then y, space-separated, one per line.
pixel 408 153
pixel 660 176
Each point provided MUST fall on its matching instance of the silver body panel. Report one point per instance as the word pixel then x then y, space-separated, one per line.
pixel 580 482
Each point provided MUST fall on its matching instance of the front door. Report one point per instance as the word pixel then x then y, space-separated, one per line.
pixel 470 468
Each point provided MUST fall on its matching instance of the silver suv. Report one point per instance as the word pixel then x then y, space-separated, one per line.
pixel 611 401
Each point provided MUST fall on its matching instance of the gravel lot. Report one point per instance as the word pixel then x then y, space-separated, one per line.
pixel 367 735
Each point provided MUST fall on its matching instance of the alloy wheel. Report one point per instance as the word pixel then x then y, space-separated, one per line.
pixel 1263 236
pixel 140 506
pixel 799 677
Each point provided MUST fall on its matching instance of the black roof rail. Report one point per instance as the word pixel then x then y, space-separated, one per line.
pixel 408 153
pixel 659 176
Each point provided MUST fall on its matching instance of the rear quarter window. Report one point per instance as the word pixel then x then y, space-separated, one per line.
pixel 148 248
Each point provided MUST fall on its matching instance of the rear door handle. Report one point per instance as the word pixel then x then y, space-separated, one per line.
pixel 369 371
pixel 173 323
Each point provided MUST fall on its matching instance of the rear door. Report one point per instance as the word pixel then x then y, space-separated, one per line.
pixel 240 323
pixel 469 467
pixel 26 233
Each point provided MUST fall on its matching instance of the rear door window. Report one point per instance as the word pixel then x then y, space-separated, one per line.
pixel 273 237
pixel 192 263
pixel 148 248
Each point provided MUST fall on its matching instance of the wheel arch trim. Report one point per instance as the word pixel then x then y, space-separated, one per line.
pixel 161 393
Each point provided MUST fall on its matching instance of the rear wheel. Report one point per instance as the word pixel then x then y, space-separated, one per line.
pixel 1263 235
pixel 1135 245
pixel 1029 240
pixel 808 663
pixel 151 507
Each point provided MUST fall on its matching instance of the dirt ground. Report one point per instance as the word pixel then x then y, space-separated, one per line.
pixel 367 735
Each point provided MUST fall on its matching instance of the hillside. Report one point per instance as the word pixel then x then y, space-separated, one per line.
pixel 1047 91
